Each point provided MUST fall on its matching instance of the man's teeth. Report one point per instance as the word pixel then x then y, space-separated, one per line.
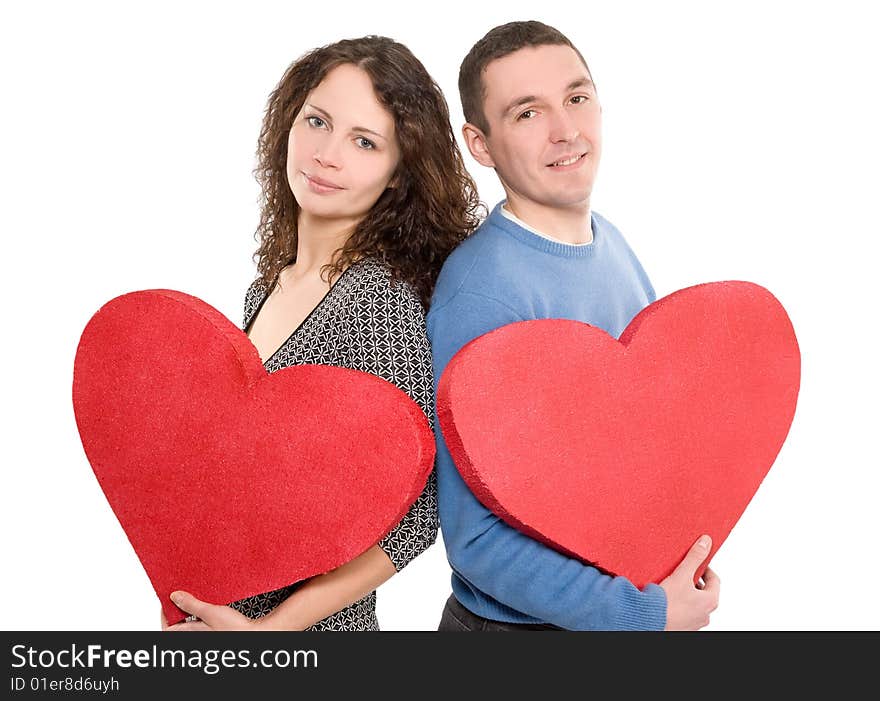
pixel 568 161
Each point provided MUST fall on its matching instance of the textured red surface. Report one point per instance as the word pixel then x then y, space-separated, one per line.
pixel 623 452
pixel 229 481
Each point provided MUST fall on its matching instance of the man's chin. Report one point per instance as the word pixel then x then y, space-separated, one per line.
pixel 579 199
pixel 556 192
pixel 553 195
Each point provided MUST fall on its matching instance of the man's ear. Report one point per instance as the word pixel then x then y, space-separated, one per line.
pixel 476 143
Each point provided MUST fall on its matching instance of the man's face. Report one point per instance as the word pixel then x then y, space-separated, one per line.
pixel 545 126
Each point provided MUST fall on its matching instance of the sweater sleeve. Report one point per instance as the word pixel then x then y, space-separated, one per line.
pixel 507 565
pixel 386 337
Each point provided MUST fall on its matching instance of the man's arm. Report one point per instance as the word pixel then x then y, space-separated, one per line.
pixel 507 565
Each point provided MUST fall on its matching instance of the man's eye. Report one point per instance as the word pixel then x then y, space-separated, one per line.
pixel 365 143
pixel 579 99
pixel 528 114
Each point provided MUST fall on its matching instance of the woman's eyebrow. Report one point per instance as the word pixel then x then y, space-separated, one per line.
pixel 323 112
pixel 327 116
pixel 370 131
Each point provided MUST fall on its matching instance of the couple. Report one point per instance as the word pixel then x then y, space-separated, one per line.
pixel 365 199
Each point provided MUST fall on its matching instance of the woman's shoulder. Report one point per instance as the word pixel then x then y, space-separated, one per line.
pixel 256 289
pixel 381 314
pixel 253 297
pixel 371 280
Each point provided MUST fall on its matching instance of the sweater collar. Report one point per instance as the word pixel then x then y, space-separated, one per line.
pixel 541 243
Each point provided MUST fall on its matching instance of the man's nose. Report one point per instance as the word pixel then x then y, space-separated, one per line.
pixel 562 127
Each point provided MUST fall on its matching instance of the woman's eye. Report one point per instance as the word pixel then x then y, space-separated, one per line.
pixel 364 143
pixel 528 114
pixel 316 122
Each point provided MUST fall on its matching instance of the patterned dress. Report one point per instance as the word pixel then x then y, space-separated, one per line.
pixel 364 322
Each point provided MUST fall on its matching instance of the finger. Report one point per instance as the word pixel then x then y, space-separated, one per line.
pixel 696 555
pixel 187 602
pixel 163 620
pixel 711 578
pixel 188 627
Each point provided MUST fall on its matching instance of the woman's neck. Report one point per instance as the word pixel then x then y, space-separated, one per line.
pixel 317 240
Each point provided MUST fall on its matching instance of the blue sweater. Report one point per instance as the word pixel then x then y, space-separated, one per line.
pixel 501 274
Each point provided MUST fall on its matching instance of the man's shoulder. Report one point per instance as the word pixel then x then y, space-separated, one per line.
pixel 612 235
pixel 602 222
pixel 484 264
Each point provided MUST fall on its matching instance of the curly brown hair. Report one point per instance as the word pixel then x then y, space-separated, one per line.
pixel 413 226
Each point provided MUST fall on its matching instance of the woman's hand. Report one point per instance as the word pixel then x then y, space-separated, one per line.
pixel 212 616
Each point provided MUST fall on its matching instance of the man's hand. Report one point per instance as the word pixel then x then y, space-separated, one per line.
pixel 688 605
pixel 212 616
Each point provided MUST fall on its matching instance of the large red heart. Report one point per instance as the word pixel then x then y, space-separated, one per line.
pixel 227 480
pixel 622 452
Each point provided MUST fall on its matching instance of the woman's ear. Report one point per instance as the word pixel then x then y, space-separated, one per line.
pixel 395 181
pixel 477 144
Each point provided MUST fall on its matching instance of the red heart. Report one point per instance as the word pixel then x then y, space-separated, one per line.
pixel 621 453
pixel 230 481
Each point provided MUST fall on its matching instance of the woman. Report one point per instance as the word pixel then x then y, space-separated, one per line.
pixel 364 195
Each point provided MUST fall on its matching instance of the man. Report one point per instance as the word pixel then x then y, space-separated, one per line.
pixel 533 115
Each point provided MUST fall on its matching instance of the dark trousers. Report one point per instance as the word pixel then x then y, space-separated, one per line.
pixel 456 618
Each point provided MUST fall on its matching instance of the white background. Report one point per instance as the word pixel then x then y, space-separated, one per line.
pixel 739 144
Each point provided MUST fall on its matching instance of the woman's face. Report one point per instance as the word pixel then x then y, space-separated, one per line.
pixel 342 150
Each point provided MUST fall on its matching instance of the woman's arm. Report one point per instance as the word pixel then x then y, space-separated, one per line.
pixel 318 598
pixel 328 593
pixel 388 338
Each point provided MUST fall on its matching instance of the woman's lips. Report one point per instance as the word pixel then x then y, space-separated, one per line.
pixel 320 185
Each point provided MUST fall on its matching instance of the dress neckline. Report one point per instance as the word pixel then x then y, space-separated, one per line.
pixel 308 316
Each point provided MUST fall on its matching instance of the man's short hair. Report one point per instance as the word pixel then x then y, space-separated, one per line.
pixel 499 42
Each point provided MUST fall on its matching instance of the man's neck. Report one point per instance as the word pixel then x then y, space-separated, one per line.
pixel 569 225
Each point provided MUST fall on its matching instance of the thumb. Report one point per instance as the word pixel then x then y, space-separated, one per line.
pixel 187 602
pixel 696 556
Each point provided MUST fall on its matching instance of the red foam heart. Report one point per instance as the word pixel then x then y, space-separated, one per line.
pixel 621 453
pixel 230 481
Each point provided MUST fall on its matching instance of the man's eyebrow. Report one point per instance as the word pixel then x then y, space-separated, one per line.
pixel 582 82
pixel 518 102
pixel 327 116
